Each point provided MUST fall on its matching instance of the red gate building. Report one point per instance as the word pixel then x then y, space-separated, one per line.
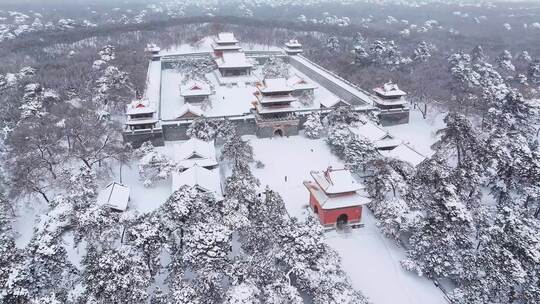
pixel 335 198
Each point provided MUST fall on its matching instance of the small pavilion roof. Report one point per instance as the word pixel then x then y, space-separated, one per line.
pixel 389 89
pixel 195 151
pixel 293 43
pixel 201 178
pixel 335 181
pixel 226 37
pixel 114 196
pixel 233 60
pixel 405 153
pixel 335 202
pixel 140 106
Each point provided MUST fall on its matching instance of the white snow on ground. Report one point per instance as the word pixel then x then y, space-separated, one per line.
pixel 227 100
pixel 339 81
pixel 370 259
pixel 153 83
pixel 143 199
pixel 419 133
pixel 25 221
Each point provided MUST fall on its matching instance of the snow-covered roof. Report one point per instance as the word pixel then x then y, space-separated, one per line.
pixel 190 110
pixel 200 178
pixel 152 48
pixel 133 122
pixel 195 152
pixel 226 37
pixel 233 60
pixel 275 109
pixel 332 102
pixel 293 43
pixel 273 85
pixel 114 196
pixel 195 88
pixel 379 136
pixel 139 106
pixel 389 89
pixel 405 153
pixel 335 202
pixel 335 181
pixel 300 83
pixel 286 98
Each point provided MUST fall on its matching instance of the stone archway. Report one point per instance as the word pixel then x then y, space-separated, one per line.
pixel 342 220
pixel 278 132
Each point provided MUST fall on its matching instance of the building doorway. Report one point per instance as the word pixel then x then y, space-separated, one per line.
pixel 342 220
pixel 315 210
pixel 278 132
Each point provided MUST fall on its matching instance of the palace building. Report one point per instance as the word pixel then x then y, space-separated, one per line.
pixel 141 115
pixel 274 110
pixel 390 97
pixel 225 42
pixel 335 198
pixel 234 64
pixel 195 92
pixel 293 47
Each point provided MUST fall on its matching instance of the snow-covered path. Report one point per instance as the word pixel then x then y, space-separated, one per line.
pixel 370 259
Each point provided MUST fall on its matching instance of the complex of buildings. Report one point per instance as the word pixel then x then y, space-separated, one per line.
pixel 267 107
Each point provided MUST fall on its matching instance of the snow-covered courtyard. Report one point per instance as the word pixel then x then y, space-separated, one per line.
pixel 370 259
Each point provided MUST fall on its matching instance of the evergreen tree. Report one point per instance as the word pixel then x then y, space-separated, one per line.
pixel 117 275
pixel 203 129
pixel 422 52
pixel 275 67
pixel 442 238
pixel 313 125
pixel 478 54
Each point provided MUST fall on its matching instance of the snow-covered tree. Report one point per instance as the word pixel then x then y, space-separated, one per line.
pixel 149 237
pixel 339 136
pixel 206 245
pixel 237 151
pixel 502 266
pixel 275 67
pixel 361 56
pixel 9 253
pixel 534 71
pixel 458 136
pixel 358 152
pixel 116 275
pixel 203 129
pixel 313 125
pixel 155 166
pixel 504 61
pixel 333 44
pixel 342 115
pixel 524 57
pixel 386 53
pixel 478 54
pixel 244 293
pixel 422 52
pixel 442 237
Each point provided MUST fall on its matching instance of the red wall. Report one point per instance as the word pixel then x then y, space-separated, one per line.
pixel 329 217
